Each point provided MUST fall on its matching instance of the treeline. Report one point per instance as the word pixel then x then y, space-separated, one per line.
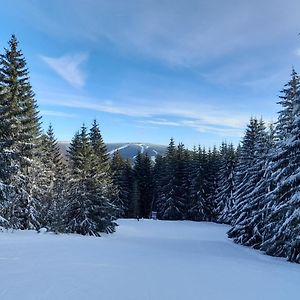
pixel 255 187
pixel 182 185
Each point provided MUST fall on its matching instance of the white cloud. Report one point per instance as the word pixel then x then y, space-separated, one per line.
pixel 208 113
pixel 163 122
pixel 68 67
pixel 201 126
pixel 57 114
pixel 202 117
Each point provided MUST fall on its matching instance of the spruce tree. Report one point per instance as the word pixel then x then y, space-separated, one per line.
pixel 247 216
pixel 144 178
pixel 201 208
pixel 173 197
pixel 225 187
pixel 160 180
pixel 281 229
pixel 122 176
pixel 101 165
pixel 90 211
pixel 19 140
pixel 242 175
pixel 54 182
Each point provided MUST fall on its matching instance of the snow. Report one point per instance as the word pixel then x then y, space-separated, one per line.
pixel 118 149
pixel 143 147
pixel 143 260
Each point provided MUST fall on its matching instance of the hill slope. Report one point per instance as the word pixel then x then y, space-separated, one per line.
pixel 154 260
pixel 127 150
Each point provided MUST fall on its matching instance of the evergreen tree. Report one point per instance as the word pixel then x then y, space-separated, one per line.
pixel 281 229
pixel 246 223
pixel 19 140
pixel 144 179
pixel 242 175
pixel 101 165
pixel 159 176
pixel 122 176
pixel 90 211
pixel 198 208
pixel 201 208
pixel 211 169
pixel 173 198
pixel 225 182
pixel 54 183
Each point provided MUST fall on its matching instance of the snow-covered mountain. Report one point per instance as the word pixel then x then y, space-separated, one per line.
pixel 127 150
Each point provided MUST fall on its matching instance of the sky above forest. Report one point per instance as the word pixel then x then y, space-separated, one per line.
pixel 151 70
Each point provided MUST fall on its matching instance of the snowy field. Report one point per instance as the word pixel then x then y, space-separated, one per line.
pixel 143 260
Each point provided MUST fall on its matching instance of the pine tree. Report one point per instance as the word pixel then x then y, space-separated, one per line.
pixel 144 179
pixel 19 140
pixel 201 208
pixel 242 175
pixel 281 229
pixel 160 180
pixel 90 212
pixel 248 217
pixel 225 187
pixel 122 176
pixel 54 183
pixel 211 169
pixel 101 165
pixel 173 198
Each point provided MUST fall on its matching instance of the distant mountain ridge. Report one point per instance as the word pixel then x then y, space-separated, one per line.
pixel 127 150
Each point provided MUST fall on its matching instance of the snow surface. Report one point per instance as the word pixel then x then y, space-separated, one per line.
pixel 118 149
pixel 142 260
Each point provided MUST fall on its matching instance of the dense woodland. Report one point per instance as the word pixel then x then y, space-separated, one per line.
pixel 254 187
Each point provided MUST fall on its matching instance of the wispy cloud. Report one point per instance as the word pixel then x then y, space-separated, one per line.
pixel 138 108
pixel 163 122
pixel 68 67
pixel 201 126
pixel 202 117
pixel 57 114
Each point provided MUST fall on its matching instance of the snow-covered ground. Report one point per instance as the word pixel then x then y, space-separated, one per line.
pixel 142 260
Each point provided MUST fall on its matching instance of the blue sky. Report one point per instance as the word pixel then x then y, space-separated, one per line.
pixel 149 70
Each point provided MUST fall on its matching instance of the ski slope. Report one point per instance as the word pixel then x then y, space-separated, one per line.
pixel 142 260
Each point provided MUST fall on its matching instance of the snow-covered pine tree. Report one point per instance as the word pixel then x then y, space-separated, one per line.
pixel 159 179
pixel 248 217
pixel 122 176
pixel 101 164
pixel 192 171
pixel 90 211
pixel 251 229
pixel 129 204
pixel 281 232
pixel 19 140
pixel 170 206
pixel 144 178
pixel 174 191
pixel 54 183
pixel 225 187
pixel 199 209
pixel 244 163
pixel 211 168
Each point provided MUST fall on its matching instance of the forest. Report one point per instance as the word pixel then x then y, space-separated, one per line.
pixel 253 187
